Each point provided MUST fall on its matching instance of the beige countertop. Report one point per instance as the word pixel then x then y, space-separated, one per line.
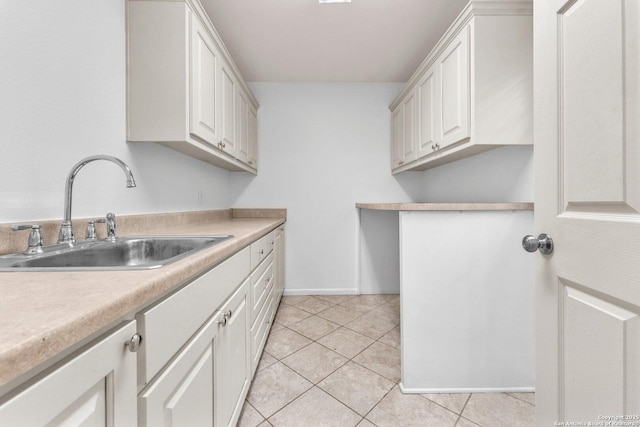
pixel 446 206
pixel 44 314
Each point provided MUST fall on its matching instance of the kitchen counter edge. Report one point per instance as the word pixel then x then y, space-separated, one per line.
pixel 446 206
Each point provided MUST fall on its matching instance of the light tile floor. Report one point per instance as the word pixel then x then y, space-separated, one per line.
pixel 334 360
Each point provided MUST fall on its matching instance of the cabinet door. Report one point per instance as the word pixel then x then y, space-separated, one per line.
pixel 183 394
pixel 233 359
pixel 453 71
pixel 397 137
pixel 242 128
pixel 95 388
pixel 204 71
pixel 252 155
pixel 427 133
pixel 409 125
pixel 228 88
pixel 278 262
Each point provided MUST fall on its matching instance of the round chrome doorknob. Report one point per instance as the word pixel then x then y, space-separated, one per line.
pixel 134 343
pixel 544 242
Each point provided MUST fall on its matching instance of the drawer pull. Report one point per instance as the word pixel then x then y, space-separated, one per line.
pixel 134 343
pixel 224 317
pixel 261 252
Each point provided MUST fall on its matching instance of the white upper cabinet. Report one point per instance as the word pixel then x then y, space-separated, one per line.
pixel 182 84
pixel 252 130
pixel 397 136
pixel 472 93
pixel 229 111
pixel 204 72
pixel 427 121
pixel 405 131
pixel 242 128
pixel 453 69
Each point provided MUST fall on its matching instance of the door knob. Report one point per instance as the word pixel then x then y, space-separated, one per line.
pixel 544 242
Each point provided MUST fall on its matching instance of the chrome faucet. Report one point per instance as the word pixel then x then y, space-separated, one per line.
pixel 66 228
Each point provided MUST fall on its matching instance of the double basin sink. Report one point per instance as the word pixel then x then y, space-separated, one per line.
pixel 126 253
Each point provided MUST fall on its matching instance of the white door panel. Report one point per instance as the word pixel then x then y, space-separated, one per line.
pixel 600 342
pixel 587 156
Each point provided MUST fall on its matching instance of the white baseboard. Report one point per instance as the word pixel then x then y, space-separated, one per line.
pixel 341 291
pixel 406 390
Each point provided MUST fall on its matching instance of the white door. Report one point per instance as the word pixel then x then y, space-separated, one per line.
pixel 409 140
pixel 426 92
pixel 229 113
pixel 242 127
pixel 204 66
pixel 233 359
pixel 587 162
pixel 453 71
pixel 397 136
pixel 252 126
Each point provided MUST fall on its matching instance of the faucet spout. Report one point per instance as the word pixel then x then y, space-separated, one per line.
pixel 66 229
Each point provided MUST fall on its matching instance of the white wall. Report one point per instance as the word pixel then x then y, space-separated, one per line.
pixel 322 148
pixel 62 97
pixel 379 252
pixel 501 175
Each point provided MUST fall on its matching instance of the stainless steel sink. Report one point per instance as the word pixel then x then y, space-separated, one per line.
pixel 126 253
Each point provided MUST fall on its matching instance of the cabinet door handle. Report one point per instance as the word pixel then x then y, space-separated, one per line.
pixel 224 318
pixel 134 343
pixel 400 163
pixel 261 252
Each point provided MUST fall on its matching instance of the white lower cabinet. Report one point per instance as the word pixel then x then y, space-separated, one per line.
pixel 232 359
pixel 206 383
pixel 279 264
pixel 194 365
pixel 267 285
pixel 193 375
pixel 183 394
pixel 95 388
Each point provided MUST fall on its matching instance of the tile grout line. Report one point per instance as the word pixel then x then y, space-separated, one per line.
pixel 331 373
pixel 522 400
pixel 371 309
pixel 374 406
pixel 444 407
pixel 462 411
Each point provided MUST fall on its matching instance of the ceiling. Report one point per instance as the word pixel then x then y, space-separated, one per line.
pixel 304 41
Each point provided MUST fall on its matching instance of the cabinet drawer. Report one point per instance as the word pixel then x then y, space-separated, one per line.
pixel 166 327
pixel 260 249
pixel 260 330
pixel 261 283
